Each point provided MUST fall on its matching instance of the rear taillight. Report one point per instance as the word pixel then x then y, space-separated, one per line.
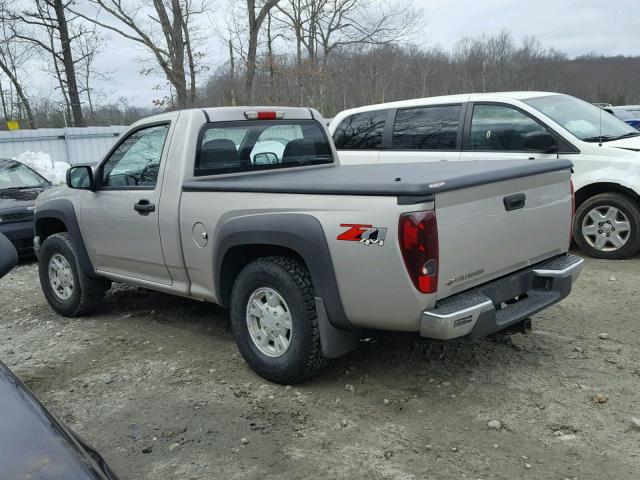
pixel 573 211
pixel 418 236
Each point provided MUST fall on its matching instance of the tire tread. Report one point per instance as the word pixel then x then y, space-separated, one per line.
pixel 88 302
pixel 314 359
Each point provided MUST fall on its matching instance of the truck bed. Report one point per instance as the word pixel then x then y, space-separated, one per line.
pixel 402 180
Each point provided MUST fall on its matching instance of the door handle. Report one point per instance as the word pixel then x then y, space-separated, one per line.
pixel 514 202
pixel 144 207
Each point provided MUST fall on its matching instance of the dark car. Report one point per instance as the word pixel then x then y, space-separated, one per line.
pixel 628 114
pixel 33 444
pixel 19 187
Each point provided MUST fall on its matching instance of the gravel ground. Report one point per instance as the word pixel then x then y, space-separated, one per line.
pixel 157 385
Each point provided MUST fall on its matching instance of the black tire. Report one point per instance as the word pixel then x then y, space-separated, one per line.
pixel 627 206
pixel 81 301
pixel 291 280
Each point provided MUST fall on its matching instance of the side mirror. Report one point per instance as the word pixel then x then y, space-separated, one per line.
pixel 80 177
pixel 541 142
pixel 8 256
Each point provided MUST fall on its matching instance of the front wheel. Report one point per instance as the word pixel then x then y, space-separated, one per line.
pixel 608 226
pixel 60 278
pixel 274 321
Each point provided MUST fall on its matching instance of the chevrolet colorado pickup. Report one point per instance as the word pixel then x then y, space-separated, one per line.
pixel 249 208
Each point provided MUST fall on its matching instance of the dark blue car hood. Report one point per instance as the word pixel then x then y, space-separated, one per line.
pixel 33 444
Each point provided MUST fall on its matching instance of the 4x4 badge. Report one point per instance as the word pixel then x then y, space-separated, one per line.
pixel 364 234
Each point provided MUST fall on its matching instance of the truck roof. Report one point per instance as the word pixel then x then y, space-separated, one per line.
pixel 408 179
pixel 228 114
pixel 238 113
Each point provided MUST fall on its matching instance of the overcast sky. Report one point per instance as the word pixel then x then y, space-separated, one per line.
pixel 572 26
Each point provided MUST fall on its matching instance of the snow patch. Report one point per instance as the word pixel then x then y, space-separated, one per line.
pixel 55 172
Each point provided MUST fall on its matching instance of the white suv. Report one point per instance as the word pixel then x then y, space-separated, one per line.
pixel 508 126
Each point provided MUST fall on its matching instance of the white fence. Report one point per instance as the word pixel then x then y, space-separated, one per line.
pixel 70 145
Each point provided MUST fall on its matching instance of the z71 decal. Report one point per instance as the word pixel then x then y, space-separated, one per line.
pixel 364 234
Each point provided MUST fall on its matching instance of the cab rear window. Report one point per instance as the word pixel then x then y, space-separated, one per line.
pixel 246 146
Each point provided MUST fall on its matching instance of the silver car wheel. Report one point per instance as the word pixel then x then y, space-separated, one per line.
pixel 606 228
pixel 269 322
pixel 61 277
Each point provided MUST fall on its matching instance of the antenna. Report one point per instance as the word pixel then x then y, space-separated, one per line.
pixel 600 134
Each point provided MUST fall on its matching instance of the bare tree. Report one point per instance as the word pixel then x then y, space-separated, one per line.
pixel 165 28
pixel 302 16
pixel 271 60
pixel 294 16
pixel 232 73
pixel 255 24
pixel 51 32
pixel 62 27
pixel 39 29
pixel 87 48
pixel 322 26
pixel 13 55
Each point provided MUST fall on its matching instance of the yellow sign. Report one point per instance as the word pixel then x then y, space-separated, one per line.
pixel 13 125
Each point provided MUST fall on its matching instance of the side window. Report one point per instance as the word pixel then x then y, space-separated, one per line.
pixel 361 131
pixel 427 128
pixel 137 159
pixel 500 128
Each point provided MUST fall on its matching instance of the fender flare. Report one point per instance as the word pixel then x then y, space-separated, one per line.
pixel 304 235
pixel 62 209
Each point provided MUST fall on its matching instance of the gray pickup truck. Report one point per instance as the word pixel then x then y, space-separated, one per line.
pixel 249 208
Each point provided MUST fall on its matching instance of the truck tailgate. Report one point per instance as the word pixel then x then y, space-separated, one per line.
pixel 487 231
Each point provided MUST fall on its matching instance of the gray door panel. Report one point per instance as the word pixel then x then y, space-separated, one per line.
pixel 120 219
pixel 121 240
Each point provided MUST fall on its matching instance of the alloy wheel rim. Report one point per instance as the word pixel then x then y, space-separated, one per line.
pixel 61 277
pixel 269 322
pixel 606 228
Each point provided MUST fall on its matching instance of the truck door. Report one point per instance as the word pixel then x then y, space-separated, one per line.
pixel 497 132
pixel 120 218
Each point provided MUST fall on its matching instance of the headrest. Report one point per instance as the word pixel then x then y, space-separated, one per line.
pixel 301 147
pixel 218 154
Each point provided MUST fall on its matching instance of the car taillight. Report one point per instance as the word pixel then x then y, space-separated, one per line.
pixel 573 211
pixel 253 115
pixel 418 236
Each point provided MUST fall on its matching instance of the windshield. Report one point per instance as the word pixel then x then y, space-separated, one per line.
pixel 17 175
pixel 582 119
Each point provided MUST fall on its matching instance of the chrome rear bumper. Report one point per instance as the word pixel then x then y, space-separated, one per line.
pixel 502 303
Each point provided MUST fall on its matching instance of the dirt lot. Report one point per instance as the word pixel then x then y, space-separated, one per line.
pixel 157 385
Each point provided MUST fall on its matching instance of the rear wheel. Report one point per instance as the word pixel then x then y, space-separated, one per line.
pixel 608 226
pixel 60 278
pixel 273 317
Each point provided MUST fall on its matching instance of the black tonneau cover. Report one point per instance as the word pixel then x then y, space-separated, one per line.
pixel 402 180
